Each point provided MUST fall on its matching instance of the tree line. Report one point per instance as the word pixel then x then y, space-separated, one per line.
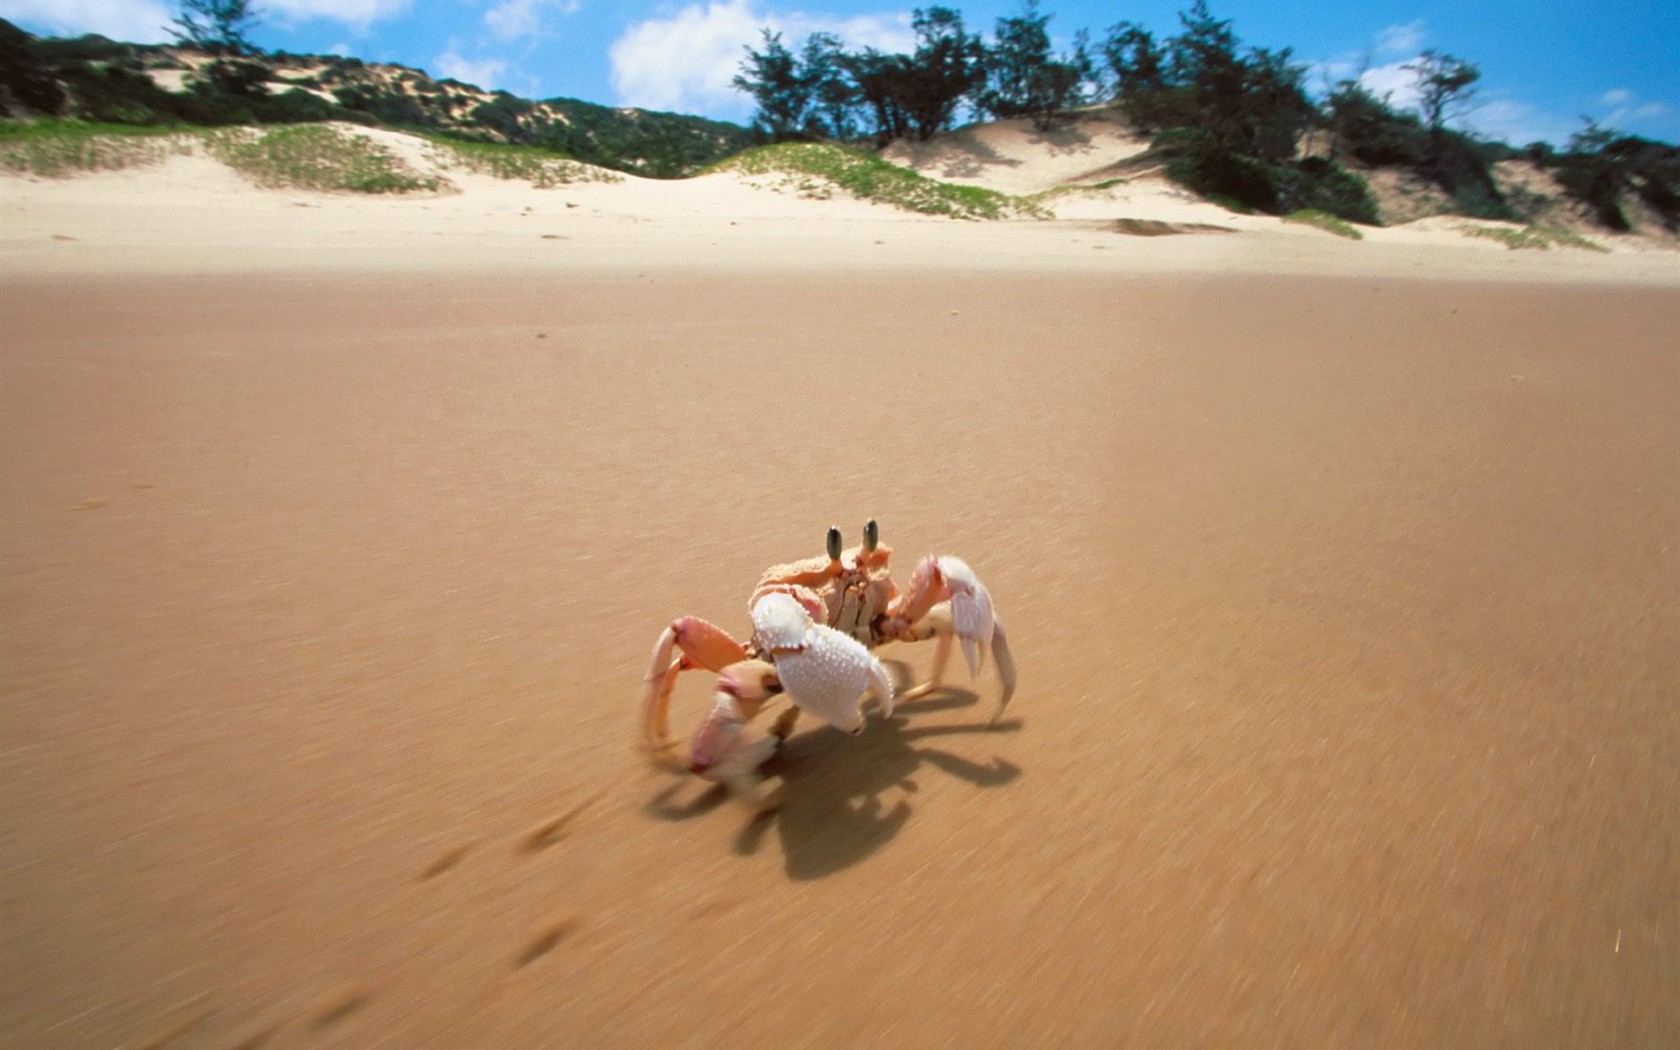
pixel 825 92
pixel 1228 119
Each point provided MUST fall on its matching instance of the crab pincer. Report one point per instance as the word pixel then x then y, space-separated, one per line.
pixel 946 599
pixel 823 671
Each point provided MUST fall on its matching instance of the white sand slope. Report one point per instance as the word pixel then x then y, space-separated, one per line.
pixel 1011 156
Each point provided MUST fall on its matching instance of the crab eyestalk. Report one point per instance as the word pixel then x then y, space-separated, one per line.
pixel 834 543
pixel 871 535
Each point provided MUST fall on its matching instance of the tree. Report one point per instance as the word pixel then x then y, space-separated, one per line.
pixel 217 27
pixel 25 80
pixel 946 68
pixel 1203 60
pixel 1444 90
pixel 880 81
pixel 1249 105
pixel 782 89
pixel 1274 108
pixel 833 96
pixel 1023 78
pixel 1368 129
pixel 1139 67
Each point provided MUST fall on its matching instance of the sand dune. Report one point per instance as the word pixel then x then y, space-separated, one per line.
pixel 1341 578
pixel 189 214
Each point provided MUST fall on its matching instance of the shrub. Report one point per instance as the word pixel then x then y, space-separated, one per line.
pixel 1461 168
pixel 25 77
pixel 1324 221
pixel 118 95
pixel 1540 238
pixel 297 106
pixel 1196 161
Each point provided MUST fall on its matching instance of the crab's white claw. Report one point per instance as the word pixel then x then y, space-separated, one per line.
pixel 780 621
pixel 971 611
pixel 829 674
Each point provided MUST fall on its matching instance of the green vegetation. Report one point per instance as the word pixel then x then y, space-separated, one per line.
pixel 1023 78
pixel 817 169
pixel 1324 221
pixel 1365 129
pixel 653 145
pixel 1074 189
pixel 1540 238
pixel 1248 184
pixel 316 157
pixel 542 168
pixel 1605 170
pixel 305 156
pixel 57 148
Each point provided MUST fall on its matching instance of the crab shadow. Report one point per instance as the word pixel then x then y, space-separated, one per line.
pixel 832 814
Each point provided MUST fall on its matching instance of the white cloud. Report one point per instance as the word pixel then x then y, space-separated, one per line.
pixel 1392 82
pixel 516 19
pixel 486 73
pixel 1627 109
pixel 131 21
pixel 353 12
pixel 1517 123
pixel 687 60
pixel 1401 39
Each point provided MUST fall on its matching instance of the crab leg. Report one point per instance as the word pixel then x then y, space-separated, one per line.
pixel 703 645
pixel 1005 666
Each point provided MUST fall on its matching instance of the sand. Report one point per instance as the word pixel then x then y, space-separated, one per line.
pixel 1345 600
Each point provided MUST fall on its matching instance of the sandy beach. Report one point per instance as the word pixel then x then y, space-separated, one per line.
pixel 1343 580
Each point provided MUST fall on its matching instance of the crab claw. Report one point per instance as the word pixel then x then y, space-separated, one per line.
pixel 942 578
pixel 946 600
pixel 823 671
pixel 719 738
pixel 689 643
pixel 971 611
pixel 721 753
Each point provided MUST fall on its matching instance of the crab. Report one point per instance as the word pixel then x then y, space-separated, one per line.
pixel 814 624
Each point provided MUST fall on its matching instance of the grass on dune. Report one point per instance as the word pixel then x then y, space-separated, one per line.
pixel 541 168
pixel 298 156
pixel 316 157
pixel 1540 238
pixel 816 170
pixel 1326 222
pixel 60 148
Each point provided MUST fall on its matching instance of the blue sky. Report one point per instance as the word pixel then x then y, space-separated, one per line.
pixel 1544 65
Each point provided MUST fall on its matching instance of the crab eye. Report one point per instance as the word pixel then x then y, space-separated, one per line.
pixel 834 543
pixel 871 535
